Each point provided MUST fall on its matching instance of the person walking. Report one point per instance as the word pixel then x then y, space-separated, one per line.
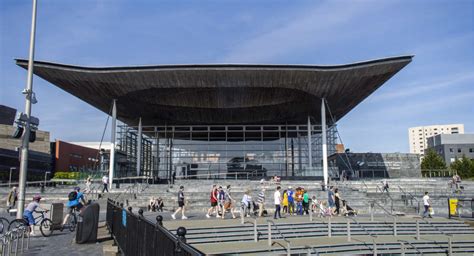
pixel 427 204
pixel 261 202
pixel 213 200
pixel 291 201
pixel 284 202
pixel 337 200
pixel 181 204
pixel 105 183
pixel 385 185
pixel 277 198
pixel 331 199
pixel 245 203
pixel 230 202
pixel 305 202
pixel 88 184
pixel 221 201
pixel 11 198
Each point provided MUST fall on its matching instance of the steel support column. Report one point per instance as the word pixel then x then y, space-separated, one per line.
pixel 324 144
pixel 112 144
pixel 310 157
pixel 139 147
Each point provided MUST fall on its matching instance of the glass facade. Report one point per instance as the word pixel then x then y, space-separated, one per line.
pixel 231 151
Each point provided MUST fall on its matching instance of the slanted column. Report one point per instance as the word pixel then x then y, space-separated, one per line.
pixel 139 147
pixel 325 146
pixel 310 157
pixel 112 146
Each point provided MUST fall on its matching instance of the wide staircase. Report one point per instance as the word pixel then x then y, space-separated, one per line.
pixel 404 197
pixel 298 235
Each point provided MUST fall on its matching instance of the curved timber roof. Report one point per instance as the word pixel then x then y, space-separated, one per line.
pixel 221 93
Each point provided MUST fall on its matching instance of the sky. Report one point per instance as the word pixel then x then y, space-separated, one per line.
pixel 436 88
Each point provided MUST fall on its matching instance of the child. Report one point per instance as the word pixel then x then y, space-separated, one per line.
pixel 28 213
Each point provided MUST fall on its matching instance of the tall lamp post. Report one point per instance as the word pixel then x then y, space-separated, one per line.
pixel 26 135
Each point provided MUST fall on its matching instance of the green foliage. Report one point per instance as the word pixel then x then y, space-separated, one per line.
pixel 464 167
pixel 432 161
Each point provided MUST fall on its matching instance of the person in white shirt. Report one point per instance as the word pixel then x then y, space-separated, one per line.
pixel 426 204
pixel 105 182
pixel 277 198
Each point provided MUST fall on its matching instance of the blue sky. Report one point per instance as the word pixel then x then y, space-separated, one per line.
pixel 436 88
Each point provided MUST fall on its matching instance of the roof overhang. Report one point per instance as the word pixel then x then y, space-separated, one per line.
pixel 221 93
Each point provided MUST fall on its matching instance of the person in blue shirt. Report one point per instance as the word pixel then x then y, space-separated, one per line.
pixel 76 201
pixel 291 201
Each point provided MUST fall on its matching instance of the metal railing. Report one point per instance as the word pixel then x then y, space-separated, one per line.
pixel 410 196
pixel 136 235
pixel 13 241
pixel 270 243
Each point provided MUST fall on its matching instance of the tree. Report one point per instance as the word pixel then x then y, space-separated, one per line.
pixel 464 167
pixel 432 161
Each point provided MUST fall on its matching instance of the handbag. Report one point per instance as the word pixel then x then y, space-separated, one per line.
pixel 431 211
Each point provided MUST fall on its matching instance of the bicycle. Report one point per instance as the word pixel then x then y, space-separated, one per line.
pixel 4 223
pixel 72 220
pixel 46 225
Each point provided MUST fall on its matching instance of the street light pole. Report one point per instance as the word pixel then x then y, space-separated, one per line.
pixel 26 135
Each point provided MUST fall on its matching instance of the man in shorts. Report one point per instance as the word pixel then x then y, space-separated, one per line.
pixel 180 204
pixel 28 212
pixel 76 202
pixel 213 202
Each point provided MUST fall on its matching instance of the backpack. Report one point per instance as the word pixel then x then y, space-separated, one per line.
pixel 72 195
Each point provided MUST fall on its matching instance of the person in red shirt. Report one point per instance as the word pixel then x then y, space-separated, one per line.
pixel 213 202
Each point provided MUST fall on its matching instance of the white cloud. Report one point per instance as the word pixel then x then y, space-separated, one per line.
pixel 308 29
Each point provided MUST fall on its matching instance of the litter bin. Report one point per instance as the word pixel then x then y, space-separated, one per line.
pixel 453 204
pixel 87 224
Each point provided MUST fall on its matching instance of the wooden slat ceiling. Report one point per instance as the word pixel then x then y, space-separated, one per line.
pixel 221 94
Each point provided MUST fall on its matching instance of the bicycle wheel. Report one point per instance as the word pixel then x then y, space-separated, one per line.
pixel 72 222
pixel 17 223
pixel 46 227
pixel 4 224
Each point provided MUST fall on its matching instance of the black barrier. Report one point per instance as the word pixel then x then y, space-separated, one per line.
pixel 136 235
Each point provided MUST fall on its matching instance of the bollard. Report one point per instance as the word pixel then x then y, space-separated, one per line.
pixel 288 251
pixel 375 248
pixel 450 247
pixel 140 213
pixel 269 234
pixel 395 226
pixel 348 231
pixel 255 233
pixel 242 215
pixel 22 239
pixel 371 212
pixel 159 220
pixel 329 228
pixel 417 230
pixel 27 240
pixel 311 216
pixel 181 232
pixel 402 248
pixel 130 209
pixel 16 242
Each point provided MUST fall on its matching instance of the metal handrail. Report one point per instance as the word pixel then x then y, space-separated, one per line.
pixel 282 236
pixel 411 198
pixel 412 245
pixel 383 208
pixel 361 226
pixel 128 189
